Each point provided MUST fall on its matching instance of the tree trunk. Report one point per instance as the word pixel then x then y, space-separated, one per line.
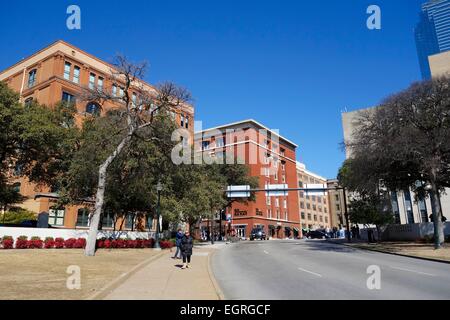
pixel 437 217
pixel 100 197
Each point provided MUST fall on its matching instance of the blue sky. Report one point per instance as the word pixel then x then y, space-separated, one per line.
pixel 291 65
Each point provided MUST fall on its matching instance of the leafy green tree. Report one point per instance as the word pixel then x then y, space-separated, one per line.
pixel 404 143
pixel 35 142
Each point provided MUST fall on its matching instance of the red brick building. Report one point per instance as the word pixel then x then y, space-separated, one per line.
pixel 59 72
pixel 271 158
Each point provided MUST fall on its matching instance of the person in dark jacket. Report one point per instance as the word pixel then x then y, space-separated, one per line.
pixel 178 238
pixel 186 249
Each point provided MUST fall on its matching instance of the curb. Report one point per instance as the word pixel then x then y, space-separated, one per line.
pixel 392 253
pixel 108 288
pixel 216 286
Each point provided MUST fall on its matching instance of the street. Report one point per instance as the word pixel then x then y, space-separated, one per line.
pixel 317 269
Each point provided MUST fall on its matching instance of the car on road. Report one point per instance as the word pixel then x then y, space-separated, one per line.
pixel 258 233
pixel 316 234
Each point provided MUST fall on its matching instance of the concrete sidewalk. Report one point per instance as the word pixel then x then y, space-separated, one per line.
pixel 163 279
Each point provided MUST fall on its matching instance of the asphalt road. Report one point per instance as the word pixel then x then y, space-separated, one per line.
pixel 317 269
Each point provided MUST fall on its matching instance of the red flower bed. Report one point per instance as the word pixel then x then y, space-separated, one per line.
pixel 22 242
pixel 49 243
pixel 35 243
pixel 80 243
pixel 149 243
pixel 166 244
pixel 7 242
pixel 124 243
pixel 59 243
pixel 70 243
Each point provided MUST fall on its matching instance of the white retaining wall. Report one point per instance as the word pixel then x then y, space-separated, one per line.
pixel 71 233
pixel 407 232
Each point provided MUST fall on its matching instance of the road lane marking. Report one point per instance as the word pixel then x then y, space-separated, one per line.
pixel 266 252
pixel 313 273
pixel 414 271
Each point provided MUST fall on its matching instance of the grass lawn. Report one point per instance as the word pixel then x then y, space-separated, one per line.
pixel 41 274
pixel 410 248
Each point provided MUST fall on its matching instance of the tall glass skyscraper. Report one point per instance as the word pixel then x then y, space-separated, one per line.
pixel 432 33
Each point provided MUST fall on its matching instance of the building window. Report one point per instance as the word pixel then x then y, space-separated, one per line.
pixel 320 218
pixel 325 209
pixel 269 213
pixel 121 92
pixel 308 206
pixel 182 120
pixel 283 166
pixel 32 78
pixel 76 74
pixel 100 83
pixel 67 97
pixel 108 220
pixel 408 206
pixel 205 145
pixel 93 108
pixel 114 90
pixel 338 207
pixel 286 216
pixel 277 202
pixel 28 101
pixel 220 142
pixel 187 122
pixel 314 207
pixel 56 217
pixel 326 219
pixel 67 67
pixel 83 217
pixel 285 204
pixel 302 194
pixel 283 178
pixel 134 100
pixel 92 81
pixel 309 216
pixel 302 215
pixel 16 186
pixel 129 221
pixel 315 217
pixel 395 207
pixel 302 205
pixel 337 197
pixel 278 214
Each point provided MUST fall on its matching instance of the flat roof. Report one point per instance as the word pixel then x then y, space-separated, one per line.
pixel 233 124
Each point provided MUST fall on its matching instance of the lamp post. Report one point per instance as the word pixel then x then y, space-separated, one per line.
pixel 158 215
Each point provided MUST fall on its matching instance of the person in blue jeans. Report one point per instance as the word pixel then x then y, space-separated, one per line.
pixel 178 239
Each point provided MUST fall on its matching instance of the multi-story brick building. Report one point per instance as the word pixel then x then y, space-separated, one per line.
pixel 314 207
pixel 336 204
pixel 61 72
pixel 271 158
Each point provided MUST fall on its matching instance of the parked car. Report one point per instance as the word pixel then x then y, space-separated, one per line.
pixel 317 235
pixel 258 233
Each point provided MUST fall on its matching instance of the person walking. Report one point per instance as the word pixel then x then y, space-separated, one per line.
pixel 186 249
pixel 178 239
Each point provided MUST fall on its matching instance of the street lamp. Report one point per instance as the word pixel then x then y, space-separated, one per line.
pixel 158 215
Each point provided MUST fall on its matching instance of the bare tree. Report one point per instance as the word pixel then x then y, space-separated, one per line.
pixel 139 104
pixel 405 143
